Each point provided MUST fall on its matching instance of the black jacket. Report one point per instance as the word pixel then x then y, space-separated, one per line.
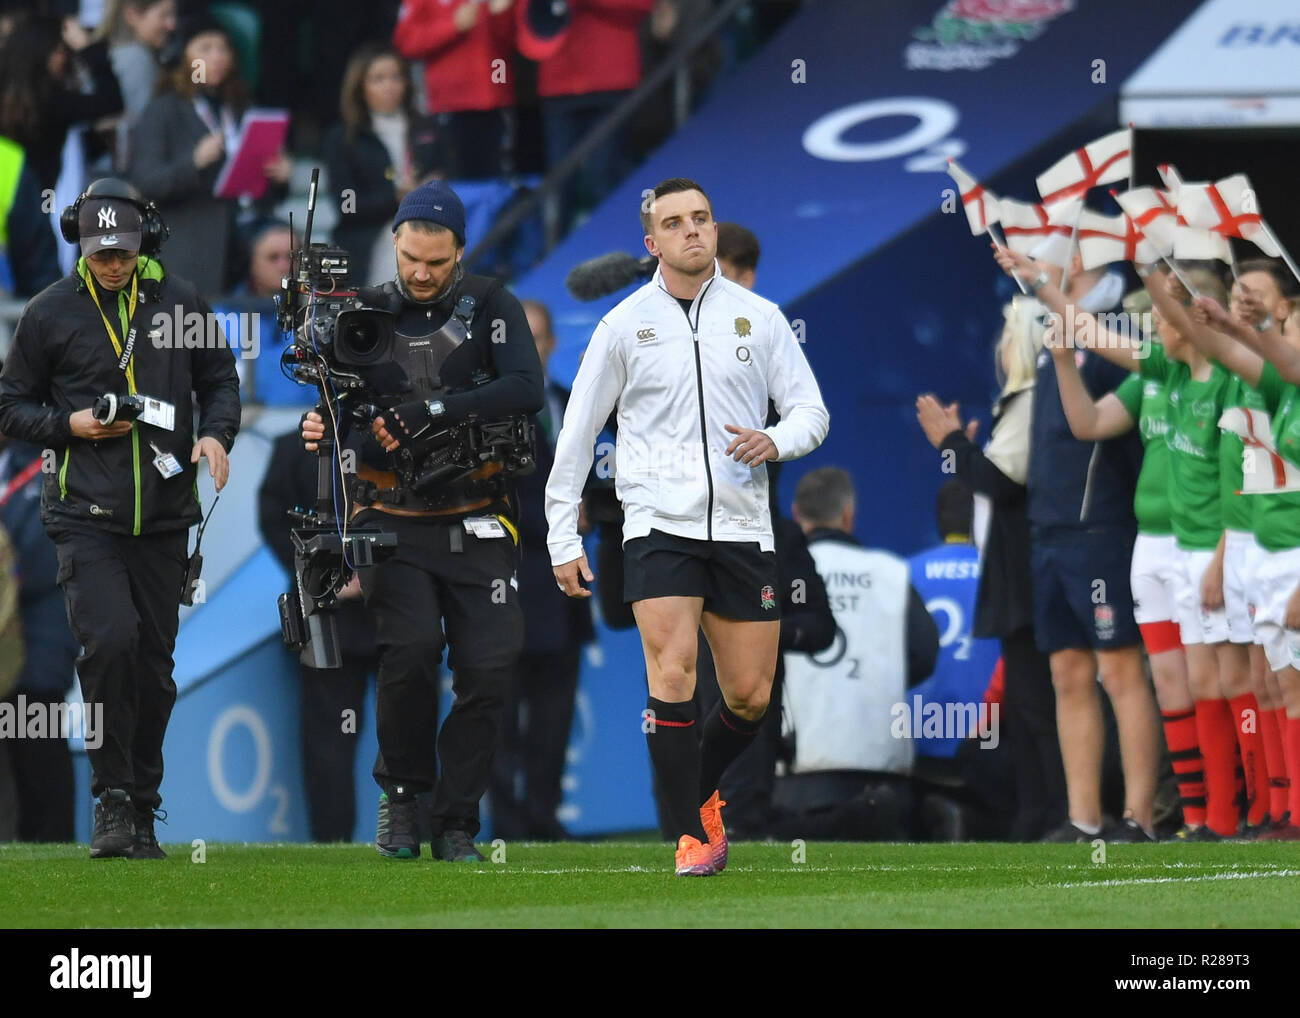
pixel 1075 484
pixel 1004 601
pixel 500 351
pixel 365 169
pixel 553 621
pixel 62 360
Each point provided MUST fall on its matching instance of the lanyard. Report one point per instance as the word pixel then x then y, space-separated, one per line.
pixel 228 129
pixel 125 361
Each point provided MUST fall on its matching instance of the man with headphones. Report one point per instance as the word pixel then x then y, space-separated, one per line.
pixel 119 492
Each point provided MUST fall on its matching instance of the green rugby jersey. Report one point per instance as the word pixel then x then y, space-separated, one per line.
pixel 1277 517
pixel 1147 401
pixel 1193 440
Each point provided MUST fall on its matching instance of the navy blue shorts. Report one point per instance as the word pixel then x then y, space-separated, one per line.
pixel 1081 590
pixel 736 579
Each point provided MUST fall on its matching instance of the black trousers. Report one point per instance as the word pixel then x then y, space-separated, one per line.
pixel 1030 705
pixel 123 597
pixel 42 783
pixel 472 593
pixel 529 766
pixel 328 751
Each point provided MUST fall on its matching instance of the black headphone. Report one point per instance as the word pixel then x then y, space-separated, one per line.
pixel 153 231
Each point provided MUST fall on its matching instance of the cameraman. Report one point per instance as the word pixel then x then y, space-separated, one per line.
pixel 123 498
pixel 457 543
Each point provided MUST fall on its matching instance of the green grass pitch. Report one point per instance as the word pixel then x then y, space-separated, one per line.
pixel 630 884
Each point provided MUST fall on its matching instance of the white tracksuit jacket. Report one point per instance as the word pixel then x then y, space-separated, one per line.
pixel 678 381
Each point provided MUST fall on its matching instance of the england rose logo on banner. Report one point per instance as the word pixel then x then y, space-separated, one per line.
pixel 969 35
pixel 768 596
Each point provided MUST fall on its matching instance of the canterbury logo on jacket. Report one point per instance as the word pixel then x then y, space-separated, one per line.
pixel 678 379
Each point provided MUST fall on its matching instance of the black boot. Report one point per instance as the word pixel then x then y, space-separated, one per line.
pixel 114 836
pixel 146 845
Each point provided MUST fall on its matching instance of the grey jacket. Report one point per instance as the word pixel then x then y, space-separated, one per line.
pixel 162 167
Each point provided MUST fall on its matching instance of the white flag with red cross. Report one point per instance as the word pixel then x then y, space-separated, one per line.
pixel 1026 225
pixel 1106 239
pixel 1192 243
pixel 1263 470
pixel 1153 213
pixel 1172 179
pixel 981 205
pixel 1227 207
pixel 1103 161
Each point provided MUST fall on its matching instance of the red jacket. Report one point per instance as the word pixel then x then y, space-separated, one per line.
pixel 601 50
pixel 459 69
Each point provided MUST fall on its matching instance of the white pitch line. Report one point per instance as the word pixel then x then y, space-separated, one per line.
pixel 1230 875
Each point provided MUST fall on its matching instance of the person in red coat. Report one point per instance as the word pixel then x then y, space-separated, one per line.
pixel 466 47
pixel 588 54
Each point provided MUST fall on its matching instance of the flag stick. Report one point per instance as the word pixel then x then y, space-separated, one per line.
pixel 1232 260
pixel 1069 251
pixel 1286 255
pixel 1173 267
pixel 1001 242
pixel 1131 160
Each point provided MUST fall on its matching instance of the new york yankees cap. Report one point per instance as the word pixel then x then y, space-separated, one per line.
pixel 108 224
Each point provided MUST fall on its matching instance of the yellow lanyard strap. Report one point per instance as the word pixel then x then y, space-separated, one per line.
pixel 126 316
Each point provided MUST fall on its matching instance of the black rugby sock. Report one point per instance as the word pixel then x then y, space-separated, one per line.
pixel 674 741
pixel 725 737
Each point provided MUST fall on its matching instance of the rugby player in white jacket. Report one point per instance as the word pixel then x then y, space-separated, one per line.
pixel 690 360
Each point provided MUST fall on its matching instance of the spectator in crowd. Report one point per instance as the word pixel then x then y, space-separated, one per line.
pixel 1082 528
pixel 268 260
pixel 848 777
pixel 137 31
pixel 29 259
pixel 178 146
pixel 39 95
pixel 525 791
pixel 329 744
pixel 41 768
pixel 947 577
pixel 1004 606
pixel 466 47
pixel 251 306
pixel 738 253
pixel 375 156
pixel 588 60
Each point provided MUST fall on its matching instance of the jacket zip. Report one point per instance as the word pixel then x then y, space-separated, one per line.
pixel 699 389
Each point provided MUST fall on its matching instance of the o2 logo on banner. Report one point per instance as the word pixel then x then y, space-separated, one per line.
pixel 242 715
pixel 824 138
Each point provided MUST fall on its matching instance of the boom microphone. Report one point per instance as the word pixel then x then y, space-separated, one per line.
pixel 609 273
